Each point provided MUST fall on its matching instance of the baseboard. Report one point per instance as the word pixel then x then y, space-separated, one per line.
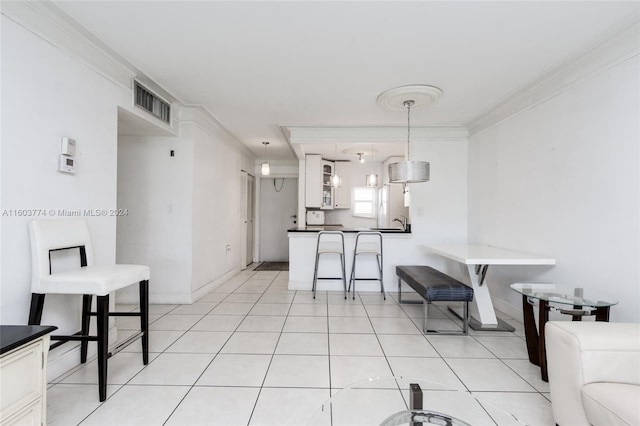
pixel 207 288
pixel 132 297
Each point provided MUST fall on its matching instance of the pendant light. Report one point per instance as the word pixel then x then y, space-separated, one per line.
pixel 409 171
pixel 266 168
pixel 360 157
pixel 372 178
pixel 336 182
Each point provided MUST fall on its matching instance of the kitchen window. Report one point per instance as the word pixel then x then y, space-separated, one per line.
pixel 363 202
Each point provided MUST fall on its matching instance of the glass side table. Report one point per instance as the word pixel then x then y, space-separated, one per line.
pixel 568 300
pixel 411 401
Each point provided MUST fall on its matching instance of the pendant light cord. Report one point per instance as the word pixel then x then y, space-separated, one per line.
pixel 281 185
pixel 409 104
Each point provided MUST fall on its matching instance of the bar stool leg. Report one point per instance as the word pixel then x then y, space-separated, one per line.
pixel 352 280
pixel 144 319
pixel 84 329
pixel 103 343
pixel 344 275
pixel 378 258
pixel 315 274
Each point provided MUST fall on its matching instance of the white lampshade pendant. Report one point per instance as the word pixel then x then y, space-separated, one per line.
pixel 265 170
pixel 336 182
pixel 372 179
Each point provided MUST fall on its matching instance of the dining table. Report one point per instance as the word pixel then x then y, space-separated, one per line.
pixel 476 259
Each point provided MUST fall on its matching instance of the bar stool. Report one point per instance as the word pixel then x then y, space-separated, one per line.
pixel 330 243
pixel 70 237
pixel 371 244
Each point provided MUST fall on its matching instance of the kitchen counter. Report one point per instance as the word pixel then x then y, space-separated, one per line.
pixel 318 228
pixel 302 253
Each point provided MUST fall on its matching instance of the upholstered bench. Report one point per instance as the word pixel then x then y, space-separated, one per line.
pixel 434 286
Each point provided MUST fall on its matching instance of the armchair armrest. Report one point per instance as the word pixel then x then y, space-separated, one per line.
pixel 579 353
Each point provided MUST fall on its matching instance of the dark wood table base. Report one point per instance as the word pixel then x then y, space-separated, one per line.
pixel 535 338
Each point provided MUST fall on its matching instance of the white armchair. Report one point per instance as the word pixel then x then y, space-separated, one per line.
pixel 594 372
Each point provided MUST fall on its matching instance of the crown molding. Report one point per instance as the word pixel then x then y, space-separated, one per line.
pixel 53 25
pixel 199 116
pixel 368 135
pixel 619 45
pixel 50 23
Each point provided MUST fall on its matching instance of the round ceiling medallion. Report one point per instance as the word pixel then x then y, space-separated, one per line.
pixel 422 94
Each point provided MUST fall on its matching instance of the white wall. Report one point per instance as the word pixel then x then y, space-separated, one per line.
pixel 217 207
pixel 184 210
pixel 156 190
pixel 562 180
pixel 47 94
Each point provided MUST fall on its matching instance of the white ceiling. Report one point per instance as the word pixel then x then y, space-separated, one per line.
pixel 259 66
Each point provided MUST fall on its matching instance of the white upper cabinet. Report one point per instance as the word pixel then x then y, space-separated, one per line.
pixel 343 193
pixel 313 181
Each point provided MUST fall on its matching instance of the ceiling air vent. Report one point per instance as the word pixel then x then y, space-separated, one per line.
pixel 151 103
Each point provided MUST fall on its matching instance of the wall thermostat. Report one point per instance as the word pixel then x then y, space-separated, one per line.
pixel 68 146
pixel 66 164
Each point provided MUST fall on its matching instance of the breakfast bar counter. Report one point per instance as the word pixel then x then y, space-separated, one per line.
pixel 302 251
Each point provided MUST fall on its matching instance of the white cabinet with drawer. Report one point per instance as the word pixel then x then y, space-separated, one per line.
pixel 23 383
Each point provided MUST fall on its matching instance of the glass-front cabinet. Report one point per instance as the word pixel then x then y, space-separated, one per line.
pixel 327 189
pixel 318 191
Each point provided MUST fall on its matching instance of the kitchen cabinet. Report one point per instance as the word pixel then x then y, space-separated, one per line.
pixel 327 190
pixel 318 190
pixel 343 193
pixel 313 181
pixel 24 377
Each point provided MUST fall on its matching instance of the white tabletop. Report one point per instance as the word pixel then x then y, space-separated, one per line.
pixel 475 254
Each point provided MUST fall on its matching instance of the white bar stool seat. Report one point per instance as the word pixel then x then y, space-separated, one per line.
pixel 71 236
pixel 371 244
pixel 330 243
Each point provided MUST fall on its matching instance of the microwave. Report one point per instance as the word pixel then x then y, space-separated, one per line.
pixel 315 217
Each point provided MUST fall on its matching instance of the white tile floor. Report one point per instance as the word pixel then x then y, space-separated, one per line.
pixel 253 353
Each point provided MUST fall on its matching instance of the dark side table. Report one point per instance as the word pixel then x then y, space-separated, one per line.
pixel 575 301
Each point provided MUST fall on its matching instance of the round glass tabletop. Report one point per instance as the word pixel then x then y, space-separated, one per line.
pixel 391 401
pixel 564 294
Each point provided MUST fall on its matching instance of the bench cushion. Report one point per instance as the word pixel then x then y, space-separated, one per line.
pixel 433 285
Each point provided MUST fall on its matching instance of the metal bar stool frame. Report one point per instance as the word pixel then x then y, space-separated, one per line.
pixel 379 258
pixel 328 250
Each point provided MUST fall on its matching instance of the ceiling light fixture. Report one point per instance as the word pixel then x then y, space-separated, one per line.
pixel 406 98
pixel 266 168
pixel 372 178
pixel 360 157
pixel 336 182
pixel 409 171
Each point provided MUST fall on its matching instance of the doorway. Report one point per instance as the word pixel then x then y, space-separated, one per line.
pixel 248 215
pixel 278 209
